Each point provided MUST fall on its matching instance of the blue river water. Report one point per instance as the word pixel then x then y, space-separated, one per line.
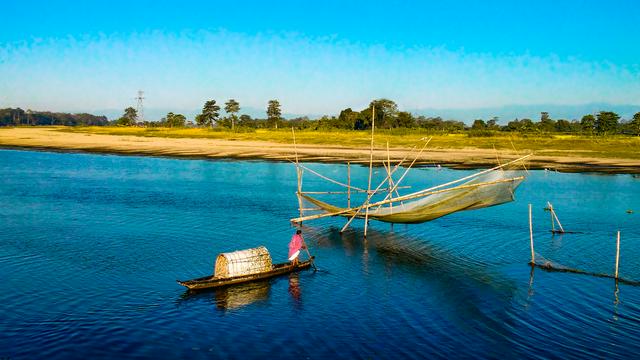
pixel 91 246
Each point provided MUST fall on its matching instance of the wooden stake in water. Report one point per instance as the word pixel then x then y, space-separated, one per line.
pixel 617 254
pixel 533 257
pixel 373 123
pixel 554 216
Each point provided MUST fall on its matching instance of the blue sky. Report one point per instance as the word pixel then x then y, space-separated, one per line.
pixel 320 57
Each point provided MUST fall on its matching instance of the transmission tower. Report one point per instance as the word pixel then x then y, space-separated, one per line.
pixel 140 108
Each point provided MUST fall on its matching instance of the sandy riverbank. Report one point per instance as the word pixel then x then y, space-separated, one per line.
pixel 55 140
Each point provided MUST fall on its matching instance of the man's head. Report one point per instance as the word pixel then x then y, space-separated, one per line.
pixel 298 231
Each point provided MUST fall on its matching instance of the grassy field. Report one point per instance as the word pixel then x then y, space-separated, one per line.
pixel 623 147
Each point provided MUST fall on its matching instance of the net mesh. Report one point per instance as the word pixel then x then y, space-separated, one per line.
pixel 493 188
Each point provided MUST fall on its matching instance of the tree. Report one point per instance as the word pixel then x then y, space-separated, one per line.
pixel 386 112
pixel 588 124
pixel 546 123
pixel 563 126
pixel 606 122
pixel 246 120
pixel 273 113
pixel 128 118
pixel 405 120
pixel 493 123
pixel 478 124
pixel 347 119
pixel 635 124
pixel 209 114
pixel 175 120
pixel 232 107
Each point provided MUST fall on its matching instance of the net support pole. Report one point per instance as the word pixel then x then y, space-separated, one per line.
pixel 299 175
pixel 373 126
pixel 390 180
pixel 617 254
pixel 533 256
pixel 349 183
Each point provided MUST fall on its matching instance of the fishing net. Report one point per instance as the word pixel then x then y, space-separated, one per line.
pixel 493 188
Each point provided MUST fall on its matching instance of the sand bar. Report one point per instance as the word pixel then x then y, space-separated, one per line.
pixel 48 138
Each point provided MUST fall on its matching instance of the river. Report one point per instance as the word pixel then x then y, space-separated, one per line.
pixel 91 246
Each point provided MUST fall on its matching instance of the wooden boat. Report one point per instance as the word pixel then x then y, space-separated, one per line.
pixel 211 281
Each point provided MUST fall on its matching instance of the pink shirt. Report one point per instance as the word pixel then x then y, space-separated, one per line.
pixel 295 244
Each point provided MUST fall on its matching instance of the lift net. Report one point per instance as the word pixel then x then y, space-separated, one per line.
pixel 493 188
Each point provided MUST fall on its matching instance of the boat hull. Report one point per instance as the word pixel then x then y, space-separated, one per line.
pixel 209 282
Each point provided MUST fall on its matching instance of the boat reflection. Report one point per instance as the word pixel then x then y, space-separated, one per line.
pixel 238 296
pixel 234 297
pixel 231 297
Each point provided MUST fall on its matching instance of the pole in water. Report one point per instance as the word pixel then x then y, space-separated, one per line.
pixel 373 126
pixel 533 256
pixel 617 254
pixel 349 184
pixel 553 214
pixel 553 223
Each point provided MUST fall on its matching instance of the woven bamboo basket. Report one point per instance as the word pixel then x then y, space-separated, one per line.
pixel 243 262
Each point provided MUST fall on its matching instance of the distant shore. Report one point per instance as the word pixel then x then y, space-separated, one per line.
pixel 57 139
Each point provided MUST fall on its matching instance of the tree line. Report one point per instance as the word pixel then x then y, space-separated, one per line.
pixel 19 117
pixel 387 116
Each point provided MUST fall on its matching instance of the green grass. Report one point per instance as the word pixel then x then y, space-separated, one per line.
pixel 623 147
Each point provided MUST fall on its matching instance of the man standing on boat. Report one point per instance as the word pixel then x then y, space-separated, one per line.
pixel 295 245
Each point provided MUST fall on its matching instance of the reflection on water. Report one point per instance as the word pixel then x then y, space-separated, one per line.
pixel 231 297
pixel 294 289
pixel 237 296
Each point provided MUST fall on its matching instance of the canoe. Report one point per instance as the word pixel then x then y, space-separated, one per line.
pixel 211 281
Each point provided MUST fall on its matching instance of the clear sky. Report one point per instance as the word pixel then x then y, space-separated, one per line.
pixel 318 57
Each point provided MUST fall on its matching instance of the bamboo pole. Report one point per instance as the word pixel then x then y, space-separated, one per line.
pixel 553 223
pixel 405 197
pixel 367 201
pixel 474 175
pixel 409 168
pixel 349 183
pixel 345 192
pixel 617 253
pixel 533 256
pixel 389 176
pixel 373 126
pixel 299 174
pixel 331 180
pixel 553 212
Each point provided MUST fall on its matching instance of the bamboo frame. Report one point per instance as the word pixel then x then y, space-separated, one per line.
pixel 331 180
pixel 370 195
pixel 346 192
pixel 475 175
pixel 405 197
pixel 409 168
